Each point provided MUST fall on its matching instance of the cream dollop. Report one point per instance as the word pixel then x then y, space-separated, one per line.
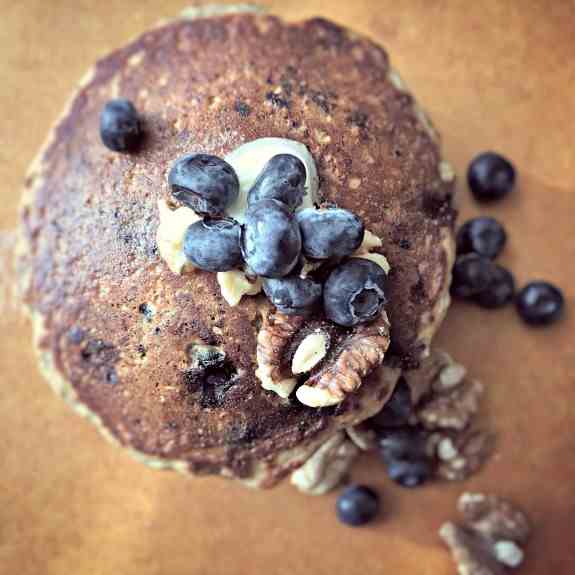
pixel 249 159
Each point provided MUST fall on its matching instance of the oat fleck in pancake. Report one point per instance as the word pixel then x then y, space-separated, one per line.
pixel 119 335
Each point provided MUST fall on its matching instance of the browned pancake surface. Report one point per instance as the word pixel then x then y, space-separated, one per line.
pixel 117 324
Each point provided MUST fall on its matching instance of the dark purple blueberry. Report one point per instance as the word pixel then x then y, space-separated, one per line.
pixel 329 233
pixel 405 443
pixel 490 177
pixel 397 411
pixel 120 126
pixel 205 183
pixel 410 473
pixel 472 274
pixel 500 290
pixel 354 292
pixel 357 505
pixel 282 179
pixel 214 245
pixel 540 303
pixel 403 452
pixel 293 295
pixel 271 240
pixel 483 236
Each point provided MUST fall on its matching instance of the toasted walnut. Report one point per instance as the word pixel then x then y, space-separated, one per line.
pixel 360 354
pixel 273 338
pixel 470 553
pixel 489 536
pixel 460 454
pixel 421 380
pixel 494 517
pixel 310 352
pixel 327 467
pixel 451 410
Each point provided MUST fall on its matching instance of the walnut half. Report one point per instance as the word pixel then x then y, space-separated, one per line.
pixel 327 467
pixel 489 537
pixel 359 355
pixel 273 338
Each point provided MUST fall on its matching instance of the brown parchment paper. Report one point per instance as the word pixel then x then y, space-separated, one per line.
pixel 493 74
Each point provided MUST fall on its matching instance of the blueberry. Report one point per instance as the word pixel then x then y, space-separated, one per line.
pixel 410 473
pixel 472 274
pixel 404 453
pixel 329 233
pixel 540 303
pixel 396 411
pixel 120 126
pixel 282 179
pixel 490 177
pixel 354 292
pixel 293 295
pixel 205 183
pixel 357 505
pixel 406 444
pixel 500 289
pixel 483 236
pixel 271 240
pixel 214 245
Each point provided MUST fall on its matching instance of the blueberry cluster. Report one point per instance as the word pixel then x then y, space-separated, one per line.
pixel 476 277
pixel 275 238
pixel 401 447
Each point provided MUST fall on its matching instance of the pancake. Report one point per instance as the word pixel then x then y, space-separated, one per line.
pixel 115 329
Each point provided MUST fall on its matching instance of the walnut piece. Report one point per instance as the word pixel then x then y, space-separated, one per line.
pixel 453 409
pixel 274 336
pixel 460 454
pixel 360 354
pixel 327 467
pixel 310 352
pixel 470 553
pixel 494 517
pixel 422 379
pixel 489 536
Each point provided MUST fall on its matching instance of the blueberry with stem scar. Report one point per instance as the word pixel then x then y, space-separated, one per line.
pixel 205 183
pixel 354 292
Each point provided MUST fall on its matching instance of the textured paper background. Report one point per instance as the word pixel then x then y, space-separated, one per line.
pixel 493 74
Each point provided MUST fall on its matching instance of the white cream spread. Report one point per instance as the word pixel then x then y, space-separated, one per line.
pixel 249 160
pixel 234 284
pixel 171 233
